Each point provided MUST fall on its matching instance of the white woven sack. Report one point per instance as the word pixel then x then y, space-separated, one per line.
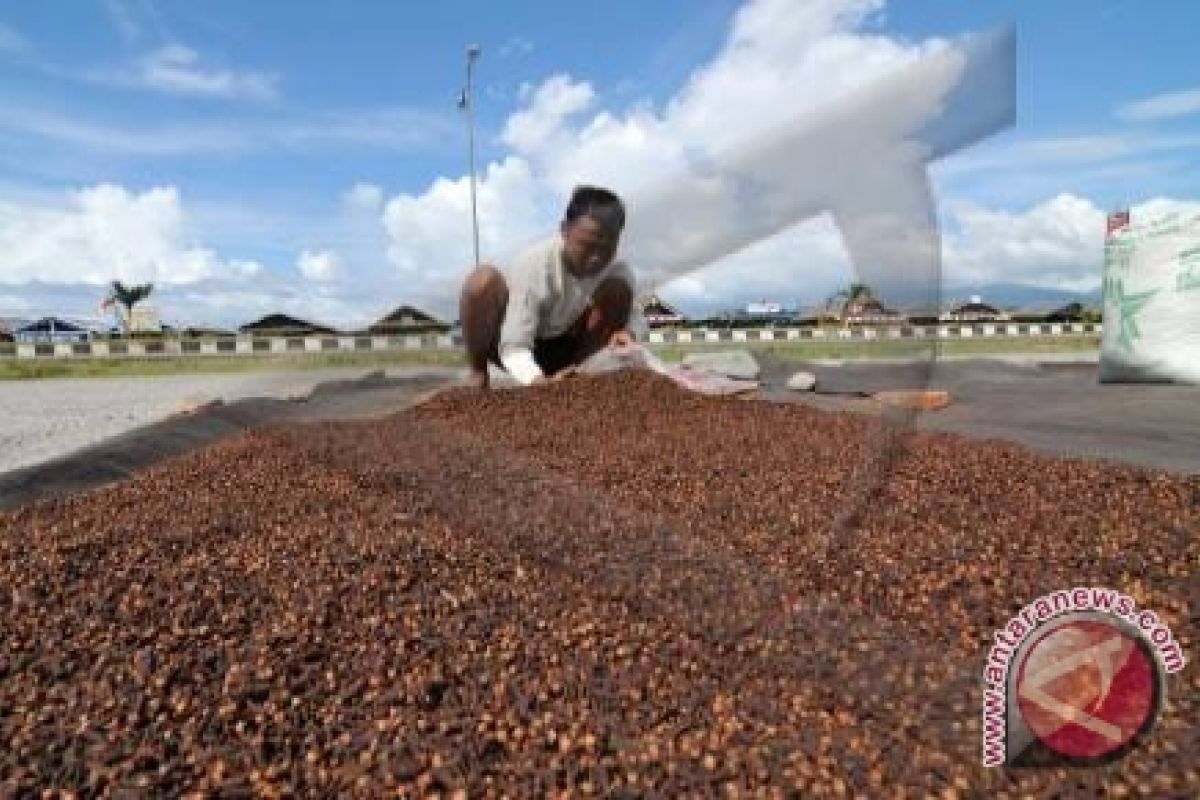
pixel 1152 301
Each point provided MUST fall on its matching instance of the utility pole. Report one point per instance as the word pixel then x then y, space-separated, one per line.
pixel 466 102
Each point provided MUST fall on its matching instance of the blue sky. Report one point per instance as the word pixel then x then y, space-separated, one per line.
pixel 309 156
pixel 327 63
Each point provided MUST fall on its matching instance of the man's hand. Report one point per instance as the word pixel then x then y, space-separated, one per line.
pixel 562 374
pixel 621 338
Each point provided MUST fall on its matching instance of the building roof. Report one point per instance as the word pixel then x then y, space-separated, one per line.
pixel 405 313
pixel 200 330
pixel 1048 312
pixel 865 305
pixel 974 307
pixel 655 306
pixel 1068 311
pixel 284 322
pixel 407 318
pixel 50 324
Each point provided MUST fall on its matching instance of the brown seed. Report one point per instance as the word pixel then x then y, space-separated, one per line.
pixel 691 609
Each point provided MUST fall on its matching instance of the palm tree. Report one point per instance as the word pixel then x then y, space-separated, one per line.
pixel 856 294
pixel 127 297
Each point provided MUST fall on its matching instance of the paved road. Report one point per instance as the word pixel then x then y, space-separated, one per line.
pixel 1057 408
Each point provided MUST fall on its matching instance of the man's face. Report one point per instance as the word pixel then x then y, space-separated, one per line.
pixel 588 245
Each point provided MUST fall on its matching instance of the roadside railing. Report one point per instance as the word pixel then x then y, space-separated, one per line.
pixel 295 345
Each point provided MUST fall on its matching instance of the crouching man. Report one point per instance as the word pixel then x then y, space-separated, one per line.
pixel 563 299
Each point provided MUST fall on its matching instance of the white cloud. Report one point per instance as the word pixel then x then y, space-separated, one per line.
pixel 516 46
pixel 13 305
pixel 364 197
pixel 395 129
pixel 783 57
pixel 430 237
pixel 1158 207
pixel 145 140
pixel 550 106
pixel 1167 105
pixel 125 19
pixel 217 302
pixel 240 270
pixel 799 268
pixel 1063 152
pixel 179 69
pixel 780 60
pixel 1057 244
pixel 107 233
pixel 1094 147
pixel 230 304
pixel 60 254
pixel 322 266
pixel 59 258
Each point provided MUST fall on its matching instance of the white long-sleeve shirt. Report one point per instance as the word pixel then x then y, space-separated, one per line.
pixel 544 300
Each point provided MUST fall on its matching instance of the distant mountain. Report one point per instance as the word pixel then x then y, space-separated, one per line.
pixel 1006 295
pixel 1000 295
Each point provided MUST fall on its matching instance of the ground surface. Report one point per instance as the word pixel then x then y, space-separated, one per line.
pixel 600 586
pixel 118 366
pixel 94 432
pixel 1054 406
pixel 1051 401
pixel 44 419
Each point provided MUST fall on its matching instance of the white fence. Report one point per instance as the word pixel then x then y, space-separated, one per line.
pixel 249 346
pixel 872 333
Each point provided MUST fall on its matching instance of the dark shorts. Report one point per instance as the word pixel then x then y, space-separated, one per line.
pixel 554 354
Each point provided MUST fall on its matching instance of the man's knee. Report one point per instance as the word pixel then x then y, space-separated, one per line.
pixel 613 299
pixel 481 313
pixel 484 281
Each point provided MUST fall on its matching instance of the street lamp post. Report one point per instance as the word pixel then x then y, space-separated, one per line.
pixel 466 103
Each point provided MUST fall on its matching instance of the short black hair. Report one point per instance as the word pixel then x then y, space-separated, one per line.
pixel 601 204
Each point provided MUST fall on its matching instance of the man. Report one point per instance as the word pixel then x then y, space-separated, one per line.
pixel 564 299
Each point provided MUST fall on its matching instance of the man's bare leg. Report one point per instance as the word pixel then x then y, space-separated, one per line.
pixel 609 312
pixel 481 313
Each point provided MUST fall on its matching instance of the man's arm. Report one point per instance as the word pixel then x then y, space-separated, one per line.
pixel 520 327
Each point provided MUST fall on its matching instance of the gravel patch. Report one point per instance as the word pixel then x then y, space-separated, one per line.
pixel 43 419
